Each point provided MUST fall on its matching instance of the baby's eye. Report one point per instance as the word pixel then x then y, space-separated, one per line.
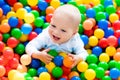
pixel 63 30
pixel 53 26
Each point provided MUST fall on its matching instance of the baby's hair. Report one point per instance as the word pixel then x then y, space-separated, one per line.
pixel 71 11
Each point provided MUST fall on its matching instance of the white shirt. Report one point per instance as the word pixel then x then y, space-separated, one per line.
pixel 43 40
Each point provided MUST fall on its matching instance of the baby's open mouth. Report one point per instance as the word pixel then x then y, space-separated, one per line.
pixel 55 37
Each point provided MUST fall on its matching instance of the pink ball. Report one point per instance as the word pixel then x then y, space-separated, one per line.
pixel 2 71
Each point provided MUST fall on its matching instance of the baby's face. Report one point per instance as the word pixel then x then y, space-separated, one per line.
pixel 61 30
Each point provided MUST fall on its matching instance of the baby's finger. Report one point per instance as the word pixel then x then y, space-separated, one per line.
pixel 47 50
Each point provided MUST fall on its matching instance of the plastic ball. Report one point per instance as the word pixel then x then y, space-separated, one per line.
pixel 50 66
pixel 113 17
pixel 92 66
pixel 114 73
pixel 92 58
pixel 35 13
pixel 112 40
pixel 50 10
pixel 87 24
pixel 23 38
pixel 48 17
pixel 32 72
pixel 103 24
pixel 13 63
pixel 15 31
pixel 26 28
pixel 90 13
pixel 13 21
pixel 90 74
pixel 72 74
pixel 104 65
pixel 25 59
pixel 20 48
pixel 6 8
pixel 110 9
pixel 100 72
pixel 2 45
pixel 68 61
pixel 5 28
pixel 20 13
pixel 55 3
pixel 82 66
pixel 57 70
pixel 8 54
pixel 11 74
pixel 97 50
pixel 84 39
pixel 17 5
pixel 18 76
pixel 22 68
pixel 29 18
pixel 75 78
pixel 42 5
pixel 32 35
pixel 2 71
pixel 103 43
pixel 104 57
pixel 12 42
pixel 116 25
pixel 32 3
pixel 110 50
pixel 35 63
pixel 11 14
pixel 116 56
pixel 44 76
pixel 38 22
pixel 112 64
pixel 93 41
pixel 108 32
pixel 53 52
pixel 58 60
pixel 100 15
pixel 66 70
pixel 41 69
pixel 1 12
pixel 99 33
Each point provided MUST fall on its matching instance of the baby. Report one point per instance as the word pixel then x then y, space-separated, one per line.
pixel 62 35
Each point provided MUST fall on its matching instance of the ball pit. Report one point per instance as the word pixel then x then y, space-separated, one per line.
pixel 22 20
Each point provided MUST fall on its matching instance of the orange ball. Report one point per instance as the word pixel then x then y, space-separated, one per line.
pixel 116 56
pixel 4 28
pixel 68 61
pixel 88 24
pixel 73 73
pixel 50 9
pixel 1 12
pixel 17 5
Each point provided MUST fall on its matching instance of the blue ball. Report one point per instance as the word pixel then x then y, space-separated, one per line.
pixel 108 32
pixel 85 39
pixel 75 78
pixel 42 5
pixel 6 8
pixel 97 50
pixel 41 69
pixel 114 73
pixel 26 28
pixel 62 79
pixel 28 9
pixel 13 21
pixel 38 30
pixel 35 63
pixel 58 60
pixel 2 2
pixel 103 24
pixel 90 13
pixel 107 3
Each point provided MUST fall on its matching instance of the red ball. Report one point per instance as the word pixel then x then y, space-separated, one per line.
pixel 1 61
pixel 112 41
pixel 2 45
pixel 13 63
pixel 116 25
pixel 4 78
pixel 66 70
pixel 20 23
pixel 35 8
pixel 32 35
pixel 48 1
pixel 117 33
pixel 48 17
pixel 11 2
pixel 17 56
pixel 103 43
pixel 118 13
pixel 1 37
pixel 12 42
pixel 8 54
pixel 88 32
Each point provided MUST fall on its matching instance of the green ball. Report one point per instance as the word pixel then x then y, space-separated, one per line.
pixel 16 32
pixel 74 69
pixel 104 65
pixel 117 65
pixel 83 18
pixel 57 72
pixel 43 13
pixel 32 72
pixel 92 58
pixel 100 72
pixel 82 8
pixel 45 25
pixel 82 76
pixel 92 66
pixel 35 13
pixel 106 78
pixel 117 2
pixel 72 2
pixel 5 37
pixel 110 9
pixel 53 53
pixel 112 64
pixel 102 2
pixel 38 22
pixel 24 2
pixel 101 7
pixel 29 78
pixel 26 75
pixel 97 9
pixel 81 29
pixel 20 49
pixel 100 15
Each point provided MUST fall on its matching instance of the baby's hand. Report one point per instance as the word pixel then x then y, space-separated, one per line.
pixel 46 58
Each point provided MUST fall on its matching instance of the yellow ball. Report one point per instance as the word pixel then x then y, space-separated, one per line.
pixel 93 41
pixel 104 57
pixel 86 1
pixel 99 33
pixel 90 74
pixel 82 66
pixel 113 17
pixel 50 66
pixel 110 50
pixel 25 59
pixel 32 2
pixel 79 2
pixel 89 51
pixel 22 68
pixel 10 14
pixel 11 74
pixel 20 13
pixel 45 76
pixel 55 3
pixel 4 21
pixel 29 18
pixel 96 2
pixel 23 38
pixel 18 76
pixel 63 54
